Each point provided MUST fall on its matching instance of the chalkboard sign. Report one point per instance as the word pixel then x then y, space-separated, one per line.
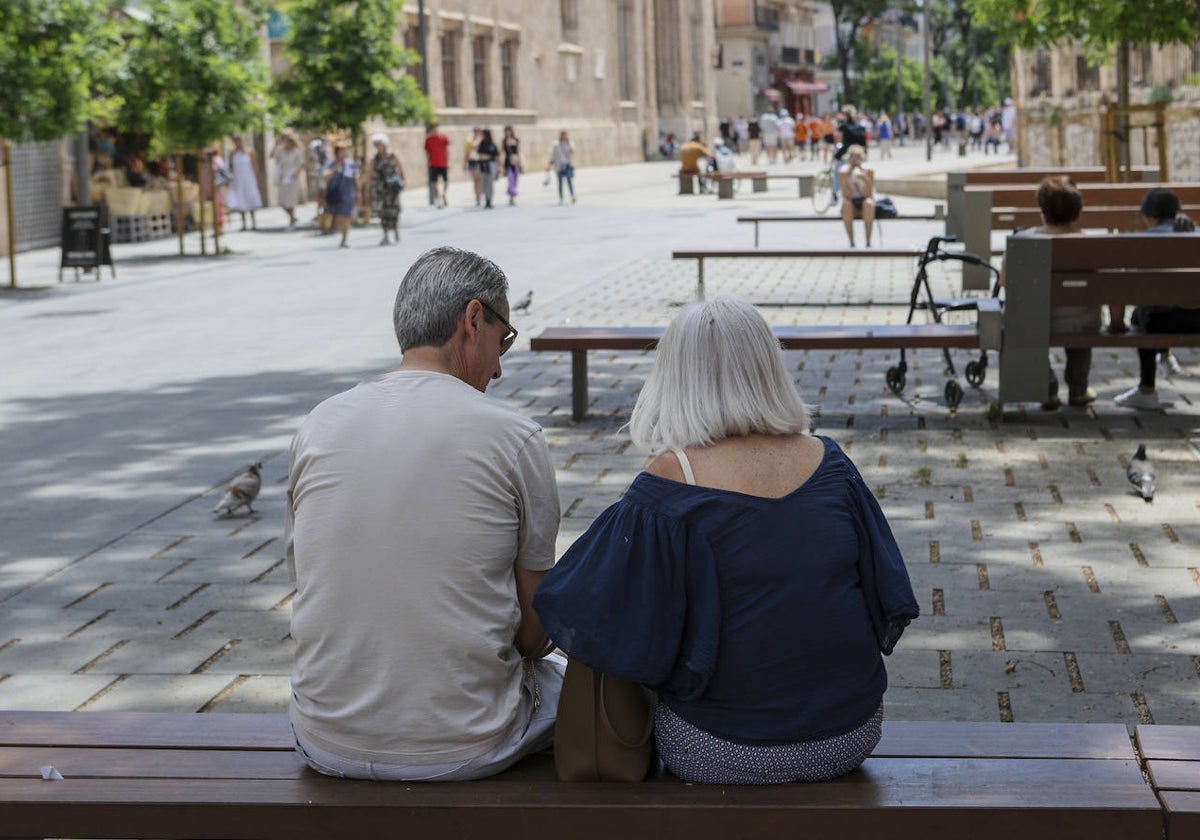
pixel 86 240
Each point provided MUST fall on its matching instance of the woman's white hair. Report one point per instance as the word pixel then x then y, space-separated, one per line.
pixel 719 373
pixel 380 138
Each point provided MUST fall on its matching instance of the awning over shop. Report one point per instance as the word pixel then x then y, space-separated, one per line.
pixel 771 94
pixel 796 86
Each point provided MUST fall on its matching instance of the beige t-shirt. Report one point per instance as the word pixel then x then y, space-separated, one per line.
pixel 411 498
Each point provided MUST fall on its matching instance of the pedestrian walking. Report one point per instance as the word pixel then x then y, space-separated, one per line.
pixel 471 162
pixel 512 161
pixel 884 129
pixel 387 182
pixel 341 190
pixel 561 157
pixel 487 153
pixel 289 167
pixel 244 195
pixel 437 152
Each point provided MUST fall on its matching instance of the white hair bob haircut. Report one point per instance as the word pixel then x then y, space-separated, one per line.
pixel 719 373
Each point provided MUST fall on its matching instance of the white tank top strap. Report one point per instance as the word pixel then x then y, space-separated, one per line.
pixel 686 465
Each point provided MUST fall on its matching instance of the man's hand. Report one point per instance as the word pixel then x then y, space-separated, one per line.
pixel 531 640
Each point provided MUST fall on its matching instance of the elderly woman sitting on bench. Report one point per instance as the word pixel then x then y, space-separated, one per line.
pixel 856 182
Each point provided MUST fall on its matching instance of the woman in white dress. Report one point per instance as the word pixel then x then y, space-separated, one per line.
pixel 289 164
pixel 244 196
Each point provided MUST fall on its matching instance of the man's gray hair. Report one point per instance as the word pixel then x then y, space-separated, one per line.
pixel 436 290
pixel 719 373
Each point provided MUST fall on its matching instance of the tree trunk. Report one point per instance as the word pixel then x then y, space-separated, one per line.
pixel 1123 105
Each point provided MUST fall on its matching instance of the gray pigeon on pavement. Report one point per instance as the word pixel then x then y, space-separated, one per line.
pixel 1141 473
pixel 242 492
pixel 523 304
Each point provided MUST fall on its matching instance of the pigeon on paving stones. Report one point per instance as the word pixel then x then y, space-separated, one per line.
pixel 523 304
pixel 1141 473
pixel 242 492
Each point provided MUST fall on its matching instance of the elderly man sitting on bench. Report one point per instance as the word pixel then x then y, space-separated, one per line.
pixel 856 182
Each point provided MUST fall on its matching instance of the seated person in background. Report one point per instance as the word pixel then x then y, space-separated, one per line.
pixel 722 157
pixel 1158 213
pixel 693 160
pixel 1061 204
pixel 747 577
pixel 669 147
pixel 856 183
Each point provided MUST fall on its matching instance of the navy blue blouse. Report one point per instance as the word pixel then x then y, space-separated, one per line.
pixel 757 620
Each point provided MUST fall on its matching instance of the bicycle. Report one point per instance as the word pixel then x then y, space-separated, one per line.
pixel 825 187
pixel 976 370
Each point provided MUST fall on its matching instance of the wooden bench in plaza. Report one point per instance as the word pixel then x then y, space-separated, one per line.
pixel 769 218
pixel 579 341
pixel 956 182
pixel 162 775
pixel 700 255
pixel 1048 272
pixel 1110 207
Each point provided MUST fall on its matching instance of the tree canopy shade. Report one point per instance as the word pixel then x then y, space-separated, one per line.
pixel 56 57
pixel 347 67
pixel 195 72
pixel 1096 23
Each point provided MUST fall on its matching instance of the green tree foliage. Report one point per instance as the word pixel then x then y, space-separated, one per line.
pixel 1096 23
pixel 195 72
pixel 347 67
pixel 56 59
pixel 879 83
pixel 849 16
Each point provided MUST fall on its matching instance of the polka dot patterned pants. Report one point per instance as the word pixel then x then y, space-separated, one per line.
pixel 694 755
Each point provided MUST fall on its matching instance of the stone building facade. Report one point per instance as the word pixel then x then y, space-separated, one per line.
pixel 1059 98
pixel 616 74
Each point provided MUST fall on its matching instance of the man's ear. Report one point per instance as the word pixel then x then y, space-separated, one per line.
pixel 473 319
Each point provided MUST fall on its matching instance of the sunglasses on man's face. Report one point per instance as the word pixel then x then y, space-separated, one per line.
pixel 509 337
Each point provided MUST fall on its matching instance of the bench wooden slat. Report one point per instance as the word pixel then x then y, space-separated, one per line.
pixel 1099 195
pixel 146 729
pixel 1182 814
pixel 828 218
pixel 962 739
pixel 1129 340
pixel 1169 742
pixel 1166 774
pixel 109 763
pixel 801 337
pixel 985 798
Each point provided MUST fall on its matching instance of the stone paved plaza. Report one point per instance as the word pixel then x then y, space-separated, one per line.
pixel 1049 591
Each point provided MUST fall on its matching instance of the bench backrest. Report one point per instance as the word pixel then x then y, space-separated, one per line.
pixel 978 219
pixel 1048 271
pixel 957 181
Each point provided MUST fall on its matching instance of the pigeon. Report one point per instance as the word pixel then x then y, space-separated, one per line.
pixel 523 304
pixel 1141 473
pixel 242 492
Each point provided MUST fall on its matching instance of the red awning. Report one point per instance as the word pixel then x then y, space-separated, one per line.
pixel 796 86
pixel 771 94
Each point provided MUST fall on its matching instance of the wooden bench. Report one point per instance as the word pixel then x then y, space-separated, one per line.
pixel 155 775
pixel 578 341
pixel 1171 757
pixel 846 253
pixel 810 217
pixel 1048 272
pixel 726 180
pixel 956 182
pixel 1111 207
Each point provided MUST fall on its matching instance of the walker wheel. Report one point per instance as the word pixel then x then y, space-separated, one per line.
pixel 976 373
pixel 896 380
pixel 953 393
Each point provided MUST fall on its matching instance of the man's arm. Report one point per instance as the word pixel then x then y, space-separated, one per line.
pixel 531 640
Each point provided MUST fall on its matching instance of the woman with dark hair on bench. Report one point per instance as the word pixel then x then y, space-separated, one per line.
pixel 1061 205
pixel 1158 212
pixel 747 577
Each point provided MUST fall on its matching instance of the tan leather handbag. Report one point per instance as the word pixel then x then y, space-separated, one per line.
pixel 604 728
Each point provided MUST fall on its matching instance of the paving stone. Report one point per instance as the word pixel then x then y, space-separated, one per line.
pixel 55 691
pixel 159 693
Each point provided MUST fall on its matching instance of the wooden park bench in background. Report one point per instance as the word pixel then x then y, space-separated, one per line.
pixel 957 181
pixel 757 220
pixel 1045 272
pixel 156 775
pixel 1110 207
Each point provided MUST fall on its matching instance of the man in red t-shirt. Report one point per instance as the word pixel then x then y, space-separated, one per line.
pixel 437 147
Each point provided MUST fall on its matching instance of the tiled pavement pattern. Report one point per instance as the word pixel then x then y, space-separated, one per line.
pixel 1049 592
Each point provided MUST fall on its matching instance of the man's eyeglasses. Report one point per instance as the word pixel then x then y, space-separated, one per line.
pixel 509 337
